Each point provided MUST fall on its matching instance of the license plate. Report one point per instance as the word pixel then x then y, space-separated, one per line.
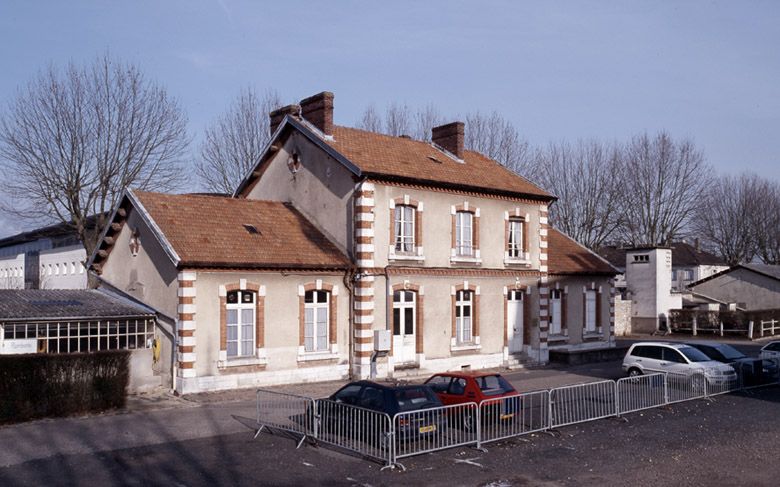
pixel 427 429
pixel 508 416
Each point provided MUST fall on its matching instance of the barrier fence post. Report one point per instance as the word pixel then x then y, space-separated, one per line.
pixel 750 329
pixel 617 399
pixel 666 388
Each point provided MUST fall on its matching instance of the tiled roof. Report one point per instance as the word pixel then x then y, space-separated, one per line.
pixel 210 231
pixel 43 304
pixel 766 269
pixel 683 255
pixel 566 256
pixel 384 156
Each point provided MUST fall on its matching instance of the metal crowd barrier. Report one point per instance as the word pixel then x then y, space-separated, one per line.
pixel 377 436
pixel 429 430
pixel 363 431
pixel 287 412
pixel 685 387
pixel 581 403
pixel 638 393
pixel 511 416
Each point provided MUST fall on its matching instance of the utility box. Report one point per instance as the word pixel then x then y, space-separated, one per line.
pixel 382 340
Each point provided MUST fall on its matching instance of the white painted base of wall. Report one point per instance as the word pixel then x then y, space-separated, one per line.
pixel 432 366
pixel 261 379
pixel 584 346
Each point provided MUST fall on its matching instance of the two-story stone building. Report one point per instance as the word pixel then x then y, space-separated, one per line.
pixel 337 233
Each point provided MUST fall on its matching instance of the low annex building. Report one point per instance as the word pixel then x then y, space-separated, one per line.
pixel 339 233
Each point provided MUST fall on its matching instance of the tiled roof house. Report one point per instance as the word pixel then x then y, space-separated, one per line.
pixel 341 240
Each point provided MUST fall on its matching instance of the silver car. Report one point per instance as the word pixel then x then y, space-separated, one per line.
pixel 675 358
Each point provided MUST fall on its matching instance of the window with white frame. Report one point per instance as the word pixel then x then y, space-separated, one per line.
pixel 241 317
pixel 464 238
pixel 590 310
pixel 556 311
pixel 317 320
pixel 688 274
pixel 404 229
pixel 515 248
pixel 464 316
pixel 404 313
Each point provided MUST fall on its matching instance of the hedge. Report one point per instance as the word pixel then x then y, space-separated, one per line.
pixel 45 385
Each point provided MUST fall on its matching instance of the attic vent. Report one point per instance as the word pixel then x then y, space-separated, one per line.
pixel 434 159
pixel 251 229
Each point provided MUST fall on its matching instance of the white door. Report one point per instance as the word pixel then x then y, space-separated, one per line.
pixel 514 320
pixel 404 324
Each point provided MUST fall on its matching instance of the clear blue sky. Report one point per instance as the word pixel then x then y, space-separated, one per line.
pixel 558 70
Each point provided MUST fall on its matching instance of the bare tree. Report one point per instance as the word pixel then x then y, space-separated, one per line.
pixel 425 119
pixel 371 120
pixel 661 183
pixel 585 179
pixel 765 221
pixel 496 137
pixel 74 139
pixel 398 120
pixel 725 219
pixel 233 144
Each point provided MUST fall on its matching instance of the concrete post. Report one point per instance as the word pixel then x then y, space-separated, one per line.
pixel 721 328
pixel 750 330
pixel 694 326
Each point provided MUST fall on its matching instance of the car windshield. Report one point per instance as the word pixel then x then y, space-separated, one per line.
pixel 412 398
pixel 730 352
pixel 493 385
pixel 694 355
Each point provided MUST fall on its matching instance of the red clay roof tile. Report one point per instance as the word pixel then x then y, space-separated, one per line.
pixel 566 256
pixel 398 157
pixel 217 232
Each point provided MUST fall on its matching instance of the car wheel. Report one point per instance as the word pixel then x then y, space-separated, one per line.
pixel 634 372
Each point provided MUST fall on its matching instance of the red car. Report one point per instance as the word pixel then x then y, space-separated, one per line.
pixel 466 387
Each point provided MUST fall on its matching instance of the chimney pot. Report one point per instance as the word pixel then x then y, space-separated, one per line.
pixel 318 111
pixel 450 137
pixel 277 115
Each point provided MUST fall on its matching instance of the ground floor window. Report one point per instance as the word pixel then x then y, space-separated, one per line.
pixel 464 315
pixel 240 323
pixel 556 312
pixel 82 336
pixel 317 320
pixel 590 310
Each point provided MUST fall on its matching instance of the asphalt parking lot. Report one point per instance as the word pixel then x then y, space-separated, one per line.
pixel 204 439
pixel 731 440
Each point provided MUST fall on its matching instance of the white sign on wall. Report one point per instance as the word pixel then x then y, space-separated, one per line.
pixel 24 345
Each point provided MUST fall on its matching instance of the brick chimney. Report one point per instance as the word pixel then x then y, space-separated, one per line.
pixel 277 115
pixel 450 137
pixel 318 111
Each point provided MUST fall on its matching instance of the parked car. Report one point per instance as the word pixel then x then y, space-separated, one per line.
pixel 752 369
pixel 676 358
pixel 390 399
pixel 770 351
pixel 467 387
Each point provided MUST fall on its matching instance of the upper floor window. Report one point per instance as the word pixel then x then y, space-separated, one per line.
pixel 515 246
pixel 464 237
pixel 316 320
pixel 240 307
pixel 404 229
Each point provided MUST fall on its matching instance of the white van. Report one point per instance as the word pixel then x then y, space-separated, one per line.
pixel 675 358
